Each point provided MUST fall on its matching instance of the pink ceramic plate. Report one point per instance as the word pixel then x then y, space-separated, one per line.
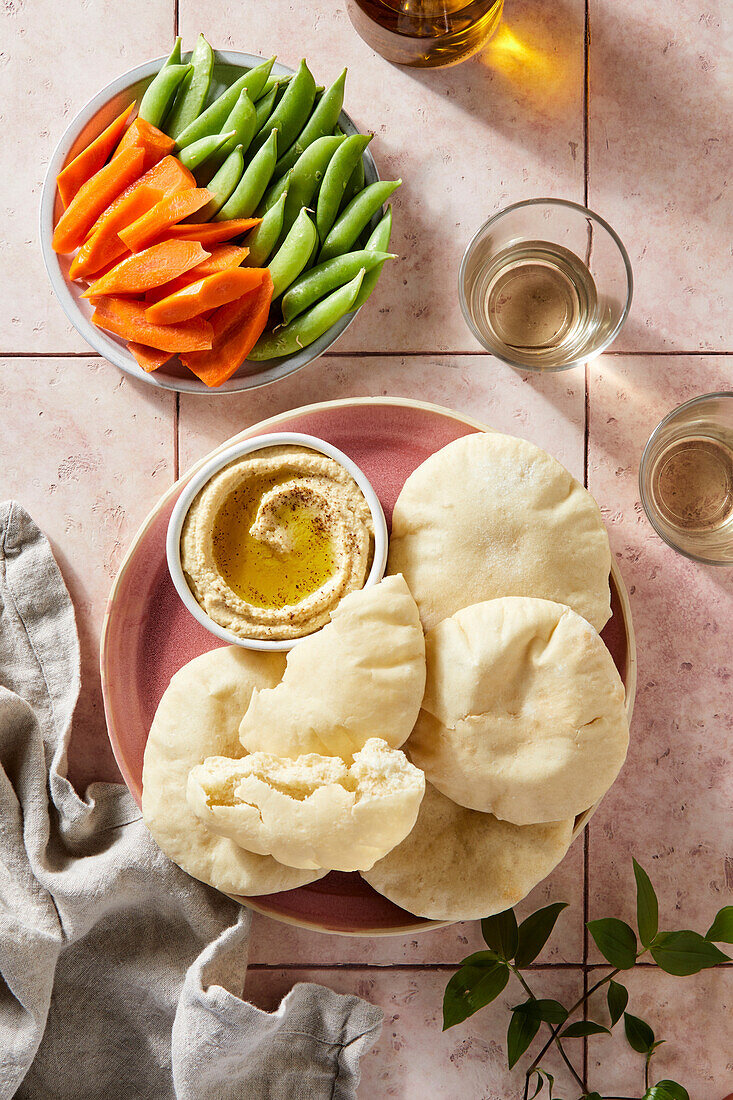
pixel 148 634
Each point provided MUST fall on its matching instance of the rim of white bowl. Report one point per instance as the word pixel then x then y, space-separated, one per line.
pixel 110 347
pixel 205 474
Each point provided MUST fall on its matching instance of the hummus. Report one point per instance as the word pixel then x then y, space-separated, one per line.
pixel 275 540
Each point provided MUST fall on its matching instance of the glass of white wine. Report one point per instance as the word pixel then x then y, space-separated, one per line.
pixel 545 284
pixel 686 479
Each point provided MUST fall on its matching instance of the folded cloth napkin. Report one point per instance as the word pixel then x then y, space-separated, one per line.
pixel 120 976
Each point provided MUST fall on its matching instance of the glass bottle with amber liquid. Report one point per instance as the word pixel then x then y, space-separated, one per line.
pixel 426 33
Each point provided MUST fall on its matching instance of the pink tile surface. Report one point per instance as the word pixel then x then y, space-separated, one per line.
pixel 67 454
pixel 413 1059
pixel 466 141
pixel 53 59
pixel 671 807
pixel 660 108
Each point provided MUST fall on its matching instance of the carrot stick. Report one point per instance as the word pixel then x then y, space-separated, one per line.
pixel 148 358
pixel 142 134
pixel 213 232
pixel 162 216
pixel 93 197
pixel 90 160
pixel 223 256
pixel 126 318
pixel 103 247
pixel 154 266
pixel 207 293
pixel 237 327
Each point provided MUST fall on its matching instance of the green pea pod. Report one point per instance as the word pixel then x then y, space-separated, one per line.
pixel 222 185
pixel 160 92
pixel 199 151
pixel 321 122
pixel 321 280
pixel 293 254
pixel 275 82
pixel 263 109
pixel 337 176
pixel 306 176
pixel 174 58
pixel 262 239
pixel 355 218
pixel 273 193
pixel 243 200
pixel 354 185
pixel 192 96
pixel 292 338
pixel 213 118
pixel 291 113
pixel 377 245
pixel 241 123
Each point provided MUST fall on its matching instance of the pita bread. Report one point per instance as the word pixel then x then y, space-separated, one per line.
pixel 314 811
pixel 458 864
pixel 490 515
pixel 524 712
pixel 361 676
pixel 199 716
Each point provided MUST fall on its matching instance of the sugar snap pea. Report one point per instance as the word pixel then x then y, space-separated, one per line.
pixel 241 122
pixel 292 111
pixel 199 151
pixel 319 281
pixel 309 326
pixel 223 184
pixel 321 122
pixel 274 81
pixel 293 254
pixel 262 239
pixel 354 184
pixel 377 245
pixel 263 109
pixel 174 57
pixel 337 175
pixel 273 193
pixel 307 174
pixel 355 217
pixel 213 118
pixel 193 91
pixel 160 92
pixel 243 199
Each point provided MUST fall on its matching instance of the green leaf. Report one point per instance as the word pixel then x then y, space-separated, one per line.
pixel 617 998
pixel 500 933
pixel 540 1082
pixel 667 1090
pixel 647 907
pixel 685 952
pixel 470 989
pixel 638 1033
pixel 535 931
pixel 592 1096
pixel 721 930
pixel 523 1027
pixel 549 1011
pixel 582 1028
pixel 487 959
pixel 615 940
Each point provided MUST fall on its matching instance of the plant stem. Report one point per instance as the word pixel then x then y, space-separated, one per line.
pixel 558 1043
pixel 576 1006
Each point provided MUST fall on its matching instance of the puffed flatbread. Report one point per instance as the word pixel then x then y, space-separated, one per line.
pixel 458 864
pixel 361 676
pixel 490 515
pixel 524 712
pixel 199 716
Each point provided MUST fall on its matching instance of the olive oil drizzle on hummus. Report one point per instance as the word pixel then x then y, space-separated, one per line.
pixel 265 572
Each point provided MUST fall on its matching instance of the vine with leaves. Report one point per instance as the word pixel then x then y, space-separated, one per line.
pixel 512 947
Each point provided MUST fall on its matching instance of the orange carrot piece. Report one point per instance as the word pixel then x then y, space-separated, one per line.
pixel 150 139
pixel 90 160
pixel 223 256
pixel 154 266
pixel 162 216
pixel 93 197
pixel 102 245
pixel 148 358
pixel 126 318
pixel 237 327
pixel 207 293
pixel 213 232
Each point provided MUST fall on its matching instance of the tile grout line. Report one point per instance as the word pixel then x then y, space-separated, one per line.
pixel 177 437
pixel 586 439
pixel 176 14
pixel 450 968
pixel 367 354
